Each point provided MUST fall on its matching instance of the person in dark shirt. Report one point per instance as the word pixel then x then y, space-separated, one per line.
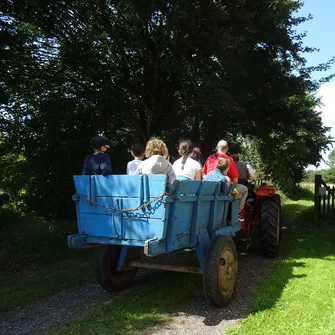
pixel 242 169
pixel 99 162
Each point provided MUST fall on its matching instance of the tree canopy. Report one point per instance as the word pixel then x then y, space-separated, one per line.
pixel 206 70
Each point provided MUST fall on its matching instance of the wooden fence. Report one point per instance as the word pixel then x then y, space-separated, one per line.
pixel 324 200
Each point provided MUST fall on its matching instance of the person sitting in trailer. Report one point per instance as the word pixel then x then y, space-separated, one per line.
pixel 99 162
pixel 242 169
pixel 156 153
pixel 220 173
pixel 211 163
pixel 185 167
pixel 137 151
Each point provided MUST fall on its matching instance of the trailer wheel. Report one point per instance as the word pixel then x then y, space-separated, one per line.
pixel 270 226
pixel 220 271
pixel 106 263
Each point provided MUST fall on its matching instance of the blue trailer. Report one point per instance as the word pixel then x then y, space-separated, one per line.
pixel 128 215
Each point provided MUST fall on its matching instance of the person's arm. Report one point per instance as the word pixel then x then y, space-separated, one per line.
pixel 128 168
pixel 232 171
pixel 106 166
pixel 205 168
pixel 198 175
pixel 84 168
pixel 198 172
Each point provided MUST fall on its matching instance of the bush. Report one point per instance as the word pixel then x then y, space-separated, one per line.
pixel 31 241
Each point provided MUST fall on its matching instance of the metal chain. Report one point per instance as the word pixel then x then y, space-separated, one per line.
pixel 160 197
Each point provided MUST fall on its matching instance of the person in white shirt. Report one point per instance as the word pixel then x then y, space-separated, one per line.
pixel 156 162
pixel 137 151
pixel 186 167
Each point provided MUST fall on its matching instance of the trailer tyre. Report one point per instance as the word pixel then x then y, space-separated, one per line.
pixel 270 226
pixel 106 267
pixel 220 271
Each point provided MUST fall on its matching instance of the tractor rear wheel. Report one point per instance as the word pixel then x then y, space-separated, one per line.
pixel 270 226
pixel 107 275
pixel 220 271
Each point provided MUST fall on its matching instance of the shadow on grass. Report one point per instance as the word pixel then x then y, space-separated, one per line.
pixel 35 260
pixel 167 294
pixel 29 242
pixel 303 240
pixel 300 193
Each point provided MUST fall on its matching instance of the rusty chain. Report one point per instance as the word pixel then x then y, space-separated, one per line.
pixel 130 210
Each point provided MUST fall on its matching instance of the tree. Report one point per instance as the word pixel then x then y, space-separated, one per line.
pixel 132 69
pixel 331 158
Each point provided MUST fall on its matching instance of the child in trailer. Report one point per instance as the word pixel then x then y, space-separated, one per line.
pixel 156 163
pixel 220 173
pixel 99 162
pixel 137 151
pixel 187 168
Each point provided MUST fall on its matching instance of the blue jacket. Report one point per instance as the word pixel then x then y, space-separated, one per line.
pixel 98 163
pixel 217 175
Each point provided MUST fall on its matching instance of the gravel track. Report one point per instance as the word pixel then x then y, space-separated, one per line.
pixel 59 309
pixel 197 317
pixel 200 318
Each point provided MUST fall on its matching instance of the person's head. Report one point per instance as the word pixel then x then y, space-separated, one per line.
pixel 137 150
pixel 223 164
pixel 222 147
pixel 155 146
pixel 235 157
pixel 197 150
pixel 101 143
pixel 185 150
pixel 196 154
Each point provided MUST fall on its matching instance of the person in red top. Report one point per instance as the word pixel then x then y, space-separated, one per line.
pixel 211 163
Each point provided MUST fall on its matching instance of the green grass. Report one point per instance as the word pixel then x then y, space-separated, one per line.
pixel 138 309
pixel 153 303
pixel 292 299
pixel 20 289
pixel 36 262
pixel 31 242
pixel 298 297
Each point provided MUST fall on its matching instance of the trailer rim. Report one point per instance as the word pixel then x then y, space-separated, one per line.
pixel 220 271
pixel 226 270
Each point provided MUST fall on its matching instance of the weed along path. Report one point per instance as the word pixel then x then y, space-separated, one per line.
pixel 148 300
pixel 161 303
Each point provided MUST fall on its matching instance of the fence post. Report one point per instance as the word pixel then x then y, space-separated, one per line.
pixel 317 209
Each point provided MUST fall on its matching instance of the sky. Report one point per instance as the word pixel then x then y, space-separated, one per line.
pixel 320 34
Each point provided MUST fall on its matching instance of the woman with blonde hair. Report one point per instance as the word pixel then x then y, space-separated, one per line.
pixel 156 163
pixel 186 167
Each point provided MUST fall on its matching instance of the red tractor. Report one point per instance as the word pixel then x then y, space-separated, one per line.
pixel 262 210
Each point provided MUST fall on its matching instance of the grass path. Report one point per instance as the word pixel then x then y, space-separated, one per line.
pixel 20 289
pixel 298 297
pixel 35 261
pixel 141 309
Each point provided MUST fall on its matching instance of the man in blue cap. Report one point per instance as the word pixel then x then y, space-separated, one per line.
pixel 99 162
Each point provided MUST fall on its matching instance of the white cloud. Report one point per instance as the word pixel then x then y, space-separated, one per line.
pixel 327 95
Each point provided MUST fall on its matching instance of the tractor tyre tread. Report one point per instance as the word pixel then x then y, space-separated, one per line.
pixel 270 218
